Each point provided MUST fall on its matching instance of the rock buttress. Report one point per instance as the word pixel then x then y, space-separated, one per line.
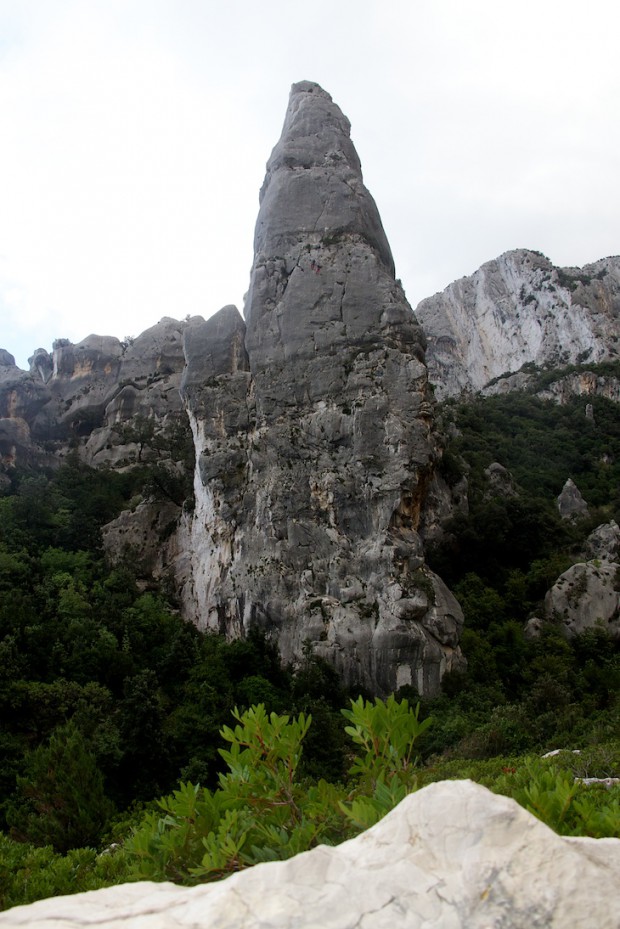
pixel 314 436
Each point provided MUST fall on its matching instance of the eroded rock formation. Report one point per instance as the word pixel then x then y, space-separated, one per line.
pixel 451 855
pixel 117 402
pixel 586 596
pixel 570 502
pixel 520 309
pixel 312 424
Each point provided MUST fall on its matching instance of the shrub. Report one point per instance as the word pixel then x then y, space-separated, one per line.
pixel 261 811
pixel 63 802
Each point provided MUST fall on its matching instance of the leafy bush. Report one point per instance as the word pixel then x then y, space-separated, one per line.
pixel 28 873
pixel 387 733
pixel 565 804
pixel 261 811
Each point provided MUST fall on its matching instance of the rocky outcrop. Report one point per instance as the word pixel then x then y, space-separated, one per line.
pixel 570 502
pixel 312 424
pixel 22 397
pixel 144 537
pixel 582 384
pixel 117 403
pixel 500 481
pixel 587 596
pixel 453 854
pixel 603 543
pixel 520 309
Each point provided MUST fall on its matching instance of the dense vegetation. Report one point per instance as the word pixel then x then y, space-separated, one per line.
pixel 502 556
pixel 108 700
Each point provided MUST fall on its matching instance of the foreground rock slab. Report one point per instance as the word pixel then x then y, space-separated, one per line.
pixel 452 855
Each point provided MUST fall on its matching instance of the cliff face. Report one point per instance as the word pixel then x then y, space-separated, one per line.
pixel 313 432
pixel 311 423
pixel 520 309
pixel 117 402
pixel 117 405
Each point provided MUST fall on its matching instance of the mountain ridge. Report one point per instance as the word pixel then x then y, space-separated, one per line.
pixel 520 309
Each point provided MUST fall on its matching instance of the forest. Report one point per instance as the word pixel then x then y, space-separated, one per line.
pixel 132 745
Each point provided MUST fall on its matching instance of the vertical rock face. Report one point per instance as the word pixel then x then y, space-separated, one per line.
pixel 520 309
pixel 313 431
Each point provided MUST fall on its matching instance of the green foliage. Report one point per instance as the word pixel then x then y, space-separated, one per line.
pixel 259 811
pixel 63 799
pixel 502 556
pixel 561 801
pixel 541 443
pixel 147 695
pixel 29 873
pixel 387 732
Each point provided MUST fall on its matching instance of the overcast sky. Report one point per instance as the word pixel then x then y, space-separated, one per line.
pixel 135 135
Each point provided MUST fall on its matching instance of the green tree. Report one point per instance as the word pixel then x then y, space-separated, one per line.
pixel 63 801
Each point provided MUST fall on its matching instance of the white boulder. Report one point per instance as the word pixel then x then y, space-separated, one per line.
pixel 451 856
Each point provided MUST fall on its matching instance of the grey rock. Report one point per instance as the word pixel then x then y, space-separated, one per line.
pixel 451 855
pixel 145 538
pixel 533 627
pixel 116 402
pixel 500 481
pixel 6 359
pixel 442 502
pixel 520 309
pixel 315 442
pixel 571 504
pixel 41 364
pixel 143 404
pixel 582 384
pixel 604 542
pixel 607 782
pixel 22 397
pixel 214 347
pixel 586 597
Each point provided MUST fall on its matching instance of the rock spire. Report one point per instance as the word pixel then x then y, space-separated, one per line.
pixel 313 430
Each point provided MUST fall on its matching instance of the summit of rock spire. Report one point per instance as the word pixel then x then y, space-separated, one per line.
pixel 314 456
pixel 313 187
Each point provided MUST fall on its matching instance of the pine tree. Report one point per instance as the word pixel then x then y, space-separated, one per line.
pixel 63 802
